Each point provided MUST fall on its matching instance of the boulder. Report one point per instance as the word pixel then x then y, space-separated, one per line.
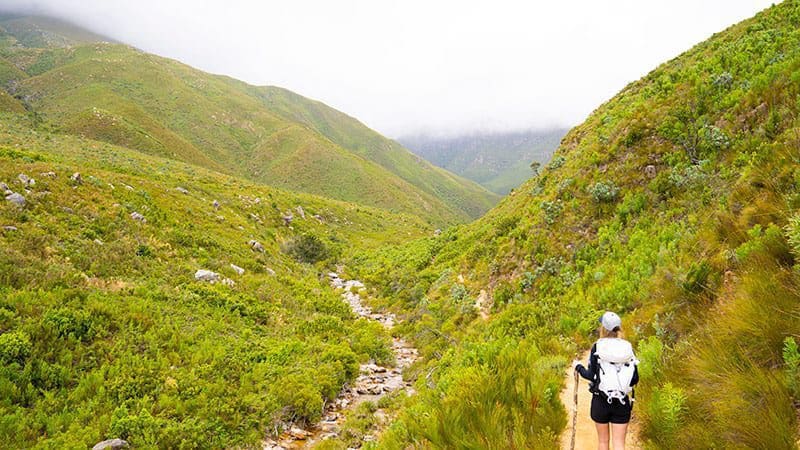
pixel 287 219
pixel 16 199
pixel 182 190
pixel 26 180
pixel 76 178
pixel 255 245
pixel 113 444
pixel 138 217
pixel 237 269
pixel 206 275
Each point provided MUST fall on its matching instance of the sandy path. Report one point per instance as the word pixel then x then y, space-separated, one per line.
pixel 585 433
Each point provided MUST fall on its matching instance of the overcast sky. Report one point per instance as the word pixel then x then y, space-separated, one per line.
pixel 409 66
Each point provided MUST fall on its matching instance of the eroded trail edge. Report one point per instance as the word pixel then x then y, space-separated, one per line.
pixel 374 381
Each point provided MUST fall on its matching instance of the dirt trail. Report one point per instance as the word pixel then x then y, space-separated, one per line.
pixel 585 433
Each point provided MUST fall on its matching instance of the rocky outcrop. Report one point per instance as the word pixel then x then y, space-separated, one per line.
pixel 237 269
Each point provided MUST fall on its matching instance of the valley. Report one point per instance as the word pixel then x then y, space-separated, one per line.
pixel 190 261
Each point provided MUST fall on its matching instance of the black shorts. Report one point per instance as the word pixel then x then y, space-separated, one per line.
pixel 614 412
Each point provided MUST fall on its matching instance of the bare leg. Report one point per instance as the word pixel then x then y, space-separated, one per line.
pixel 602 436
pixel 618 431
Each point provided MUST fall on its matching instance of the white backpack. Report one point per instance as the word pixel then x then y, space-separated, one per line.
pixel 617 364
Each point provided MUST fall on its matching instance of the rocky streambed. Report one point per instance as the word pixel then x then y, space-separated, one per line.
pixel 374 381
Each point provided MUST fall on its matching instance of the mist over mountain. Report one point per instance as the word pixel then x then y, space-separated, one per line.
pixel 499 161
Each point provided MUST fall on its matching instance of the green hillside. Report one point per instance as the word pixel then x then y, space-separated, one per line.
pixel 498 161
pixel 356 137
pixel 104 331
pixel 675 203
pixel 119 95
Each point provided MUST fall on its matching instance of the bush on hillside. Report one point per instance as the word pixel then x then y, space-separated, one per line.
pixel 306 248
pixel 604 191
pixel 15 347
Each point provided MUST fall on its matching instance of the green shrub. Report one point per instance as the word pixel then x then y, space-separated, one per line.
pixel 552 209
pixel 15 347
pixel 604 191
pixel 307 248
pixel 665 413
pixel 67 322
pixel 791 361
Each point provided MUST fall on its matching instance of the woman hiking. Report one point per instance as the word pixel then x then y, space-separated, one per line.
pixel 612 373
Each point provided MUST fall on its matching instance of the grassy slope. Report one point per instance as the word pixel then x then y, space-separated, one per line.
pixel 103 330
pixel 700 258
pixel 165 108
pixel 356 137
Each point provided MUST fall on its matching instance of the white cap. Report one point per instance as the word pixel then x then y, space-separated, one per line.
pixel 610 320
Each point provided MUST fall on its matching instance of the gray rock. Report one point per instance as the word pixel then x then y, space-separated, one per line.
pixel 287 219
pixel 16 199
pixel 182 190
pixel 215 204
pixel 300 211
pixel 76 178
pixel 437 232
pixel 206 275
pixel 26 180
pixel 270 271
pixel 237 269
pixel 255 245
pixel 113 444
pixel 98 242
pixel 48 174
pixel 228 282
pixel 138 217
pixel 3 186
pixel 319 218
pixel 9 228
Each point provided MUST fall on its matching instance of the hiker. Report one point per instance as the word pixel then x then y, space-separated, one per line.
pixel 612 374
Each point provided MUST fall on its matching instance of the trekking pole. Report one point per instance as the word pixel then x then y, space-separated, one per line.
pixel 574 413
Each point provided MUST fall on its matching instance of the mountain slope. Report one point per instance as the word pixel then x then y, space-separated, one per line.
pixel 119 95
pixel 675 203
pixel 498 161
pixel 105 331
pixel 351 134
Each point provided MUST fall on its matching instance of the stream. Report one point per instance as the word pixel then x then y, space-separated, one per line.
pixel 374 381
